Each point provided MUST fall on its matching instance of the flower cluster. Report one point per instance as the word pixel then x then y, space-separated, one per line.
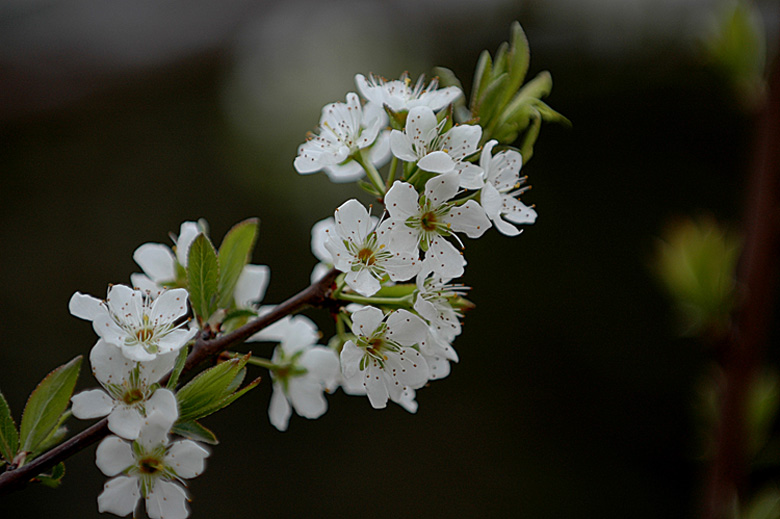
pixel 443 183
pixel 388 280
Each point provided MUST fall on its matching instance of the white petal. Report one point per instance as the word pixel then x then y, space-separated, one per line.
pixel 366 320
pixel 319 233
pixel 374 381
pixel 171 305
pixel 406 400
pixel 113 456
pixel 122 299
pixel 120 496
pixel 401 146
pixel 153 370
pixel 91 404
pixel 154 431
pixel 136 352
pixel 517 212
pixel 279 409
pixel 440 189
pixel 350 359
pixel 437 162
pixel 163 401
pixel 86 307
pixel 145 284
pixel 445 259
pixel 186 458
pixel 251 285
pixel 469 218
pixel 187 234
pixel 125 421
pixel 299 334
pixel 471 176
pixel 108 364
pixel 108 330
pixel 322 364
pixel 157 261
pixel 307 398
pixel 461 141
pixel 352 221
pixel 174 340
pixel 409 367
pixel 401 201
pixel 491 201
pixel 362 282
pixel 406 328
pixel 167 500
pixel 420 126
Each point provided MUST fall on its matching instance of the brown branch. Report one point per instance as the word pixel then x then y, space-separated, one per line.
pixel 744 351
pixel 315 294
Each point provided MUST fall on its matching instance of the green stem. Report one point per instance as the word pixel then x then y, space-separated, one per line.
pixel 381 301
pixel 391 173
pixel 255 361
pixel 371 172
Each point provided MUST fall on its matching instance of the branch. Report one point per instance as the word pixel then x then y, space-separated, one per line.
pixel 757 277
pixel 205 348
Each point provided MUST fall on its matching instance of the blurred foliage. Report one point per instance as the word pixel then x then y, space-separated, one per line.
pixel 736 47
pixel 695 261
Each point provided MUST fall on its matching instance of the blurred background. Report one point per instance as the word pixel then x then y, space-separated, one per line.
pixel 574 394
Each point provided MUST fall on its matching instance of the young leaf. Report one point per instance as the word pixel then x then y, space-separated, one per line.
pixel 519 59
pixel 234 253
pixel 181 359
pixel 46 404
pixel 203 277
pixel 194 431
pixel 206 389
pixel 9 438
pixel 54 479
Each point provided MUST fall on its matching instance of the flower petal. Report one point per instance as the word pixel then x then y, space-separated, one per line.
pixel 113 456
pixel 91 404
pixel 366 320
pixel 469 218
pixel 279 410
pixel 167 500
pixel 120 496
pixel 186 458
pixel 436 162
pixel 108 364
pixel 86 307
pixel 406 328
pixel 157 261
pixel 187 234
pixel 251 285
pixel 125 421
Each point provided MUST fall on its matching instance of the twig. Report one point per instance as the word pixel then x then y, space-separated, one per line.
pixel 315 294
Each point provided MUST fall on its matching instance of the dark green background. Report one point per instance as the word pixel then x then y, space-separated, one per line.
pixel 573 397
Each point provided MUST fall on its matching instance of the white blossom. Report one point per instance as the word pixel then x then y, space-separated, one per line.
pixel 343 131
pixel 430 218
pixel 303 370
pixel 400 95
pixel 365 255
pixel 140 325
pixel 127 396
pixel 148 468
pixel 502 186
pixel 422 142
pixel 160 263
pixel 383 356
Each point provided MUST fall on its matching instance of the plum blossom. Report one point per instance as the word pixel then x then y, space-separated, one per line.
pixel 365 255
pixel 383 355
pixel 422 142
pixel 143 327
pixel 502 186
pixel 128 395
pixel 400 95
pixel 429 218
pixel 344 129
pixel 302 371
pixel 160 263
pixel 148 468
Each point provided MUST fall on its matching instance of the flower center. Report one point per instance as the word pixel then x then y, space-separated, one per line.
pixel 144 334
pixel 366 256
pixel 428 221
pixel 150 465
pixel 132 396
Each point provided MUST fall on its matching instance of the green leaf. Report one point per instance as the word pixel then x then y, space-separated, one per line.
pixel 54 479
pixel 481 77
pixel 234 253
pixel 46 404
pixel 208 388
pixel 487 106
pixel 518 60
pixel 203 277
pixel 193 430
pixel 181 359
pixel 9 438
